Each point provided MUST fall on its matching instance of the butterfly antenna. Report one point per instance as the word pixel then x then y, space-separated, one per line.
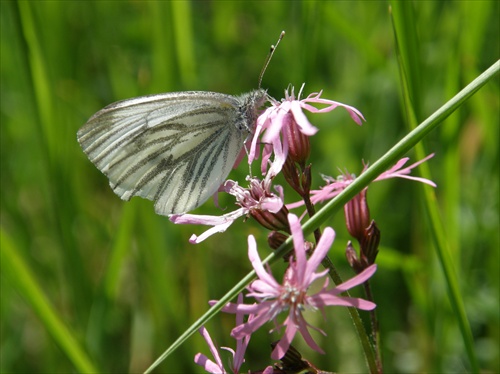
pixel 269 56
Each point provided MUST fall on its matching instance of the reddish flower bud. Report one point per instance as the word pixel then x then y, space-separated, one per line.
pixel 272 221
pixel 369 245
pixel 299 147
pixel 357 215
pixel 368 251
pixel 352 258
pixel 299 178
pixel 275 239
pixel 292 175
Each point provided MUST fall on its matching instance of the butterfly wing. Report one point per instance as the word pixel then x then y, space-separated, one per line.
pixel 175 149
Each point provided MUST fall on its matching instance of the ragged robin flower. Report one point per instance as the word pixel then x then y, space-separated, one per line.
pixel 288 119
pixel 256 201
pixel 217 367
pixel 292 296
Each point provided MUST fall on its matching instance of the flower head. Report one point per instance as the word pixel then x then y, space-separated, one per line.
pixel 202 360
pixel 238 356
pixel 257 201
pixel 292 296
pixel 287 117
pixel 335 186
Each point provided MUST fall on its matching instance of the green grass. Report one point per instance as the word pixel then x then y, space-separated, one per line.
pixel 92 283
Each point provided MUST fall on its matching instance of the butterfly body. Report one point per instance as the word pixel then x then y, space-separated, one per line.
pixel 174 148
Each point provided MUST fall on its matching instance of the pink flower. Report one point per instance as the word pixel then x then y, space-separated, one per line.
pixel 291 296
pixel 200 359
pixel 257 200
pixel 280 116
pixel 397 171
pixel 238 356
pixel 336 186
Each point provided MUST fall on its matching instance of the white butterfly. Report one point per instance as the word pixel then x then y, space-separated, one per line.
pixel 174 148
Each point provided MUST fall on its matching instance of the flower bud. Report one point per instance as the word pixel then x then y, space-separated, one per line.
pixel 352 258
pixel 272 221
pixel 369 245
pixel 275 239
pixel 357 215
pixel 368 251
pixel 299 147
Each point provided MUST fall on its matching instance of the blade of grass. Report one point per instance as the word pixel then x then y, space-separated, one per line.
pixel 162 66
pixel 60 203
pixel 17 271
pixel 184 42
pixel 436 225
pixel 107 293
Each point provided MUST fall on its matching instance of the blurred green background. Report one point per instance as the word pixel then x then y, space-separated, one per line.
pixel 90 282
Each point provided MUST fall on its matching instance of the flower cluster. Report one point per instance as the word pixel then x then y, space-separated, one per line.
pixel 292 296
pixel 285 132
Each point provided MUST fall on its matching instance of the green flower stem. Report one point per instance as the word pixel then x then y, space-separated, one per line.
pixel 368 349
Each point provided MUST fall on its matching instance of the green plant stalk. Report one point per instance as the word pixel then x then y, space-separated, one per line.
pixel 382 164
pixel 368 349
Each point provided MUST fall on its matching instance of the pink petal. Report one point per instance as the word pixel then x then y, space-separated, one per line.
pixel 280 191
pixel 305 126
pixel 271 204
pixel 254 308
pixel 208 365
pixel 194 219
pixel 329 298
pixel 417 179
pixel 319 253
pixel 354 281
pixel 261 121
pixel 266 155
pixel 252 325
pixel 239 316
pixel 263 289
pixel 254 257
pixel 195 239
pixel 298 243
pixel 295 205
pixel 238 308
pixel 315 276
pixel 307 336
pixel 268 370
pixel 280 153
pixel 203 331
pixel 353 112
pixel 398 165
pixel 275 122
pixel 284 343
pixel 397 172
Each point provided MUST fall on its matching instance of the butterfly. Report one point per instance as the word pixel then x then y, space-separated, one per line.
pixel 175 149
